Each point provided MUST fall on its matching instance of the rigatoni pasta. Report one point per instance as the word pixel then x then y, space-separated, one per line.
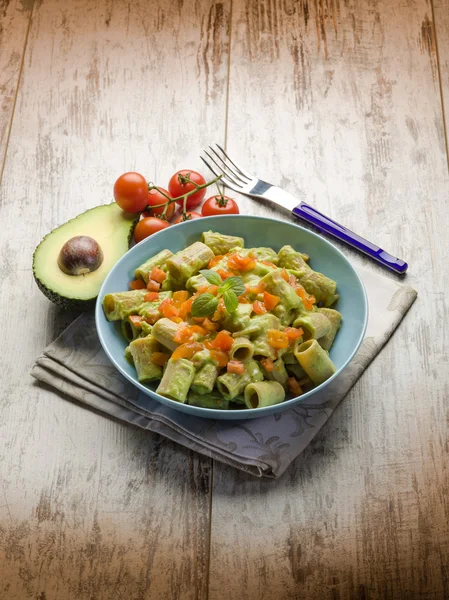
pixel 209 346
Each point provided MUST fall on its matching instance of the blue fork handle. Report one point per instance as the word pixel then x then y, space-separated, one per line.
pixel 323 223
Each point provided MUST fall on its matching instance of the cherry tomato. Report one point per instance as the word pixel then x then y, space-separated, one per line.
pixel 154 198
pixel 147 227
pixel 131 192
pixel 218 205
pixel 190 216
pixel 177 188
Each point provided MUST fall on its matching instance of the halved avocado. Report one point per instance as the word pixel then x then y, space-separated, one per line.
pixel 110 227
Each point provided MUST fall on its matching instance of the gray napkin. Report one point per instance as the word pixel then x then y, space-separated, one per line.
pixel 76 365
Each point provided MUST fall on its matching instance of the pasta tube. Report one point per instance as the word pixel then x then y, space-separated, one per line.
pixel 231 385
pixel 334 318
pixel 210 401
pixel 205 378
pixel 242 349
pixel 159 260
pixel 118 305
pixel 129 330
pixel 315 361
pixel 141 351
pixel 164 331
pixel 187 262
pixel 314 324
pixel 220 243
pixel 264 393
pixel 177 379
pixel 279 372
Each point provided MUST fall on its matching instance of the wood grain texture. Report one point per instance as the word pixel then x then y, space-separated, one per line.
pixel 339 103
pixel 14 22
pixel 90 508
pixel 441 26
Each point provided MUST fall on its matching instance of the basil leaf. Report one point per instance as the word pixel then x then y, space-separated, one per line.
pixel 234 284
pixel 204 305
pixel 231 301
pixel 212 276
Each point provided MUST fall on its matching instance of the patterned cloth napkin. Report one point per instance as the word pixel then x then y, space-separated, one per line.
pixel 76 365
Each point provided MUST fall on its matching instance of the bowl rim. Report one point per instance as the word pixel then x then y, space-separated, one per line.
pixel 213 413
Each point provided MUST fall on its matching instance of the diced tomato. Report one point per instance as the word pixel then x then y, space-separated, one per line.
pixel 209 325
pixel 176 319
pixel 259 308
pixel 270 264
pixel 158 275
pixel 186 308
pixel 243 300
pixel 167 308
pixel 294 386
pixel 153 286
pixel 212 289
pixel 137 284
pixel 136 320
pixel 180 297
pixel 214 261
pixel 187 350
pixel 182 334
pixel 235 366
pixel 220 357
pixel 259 289
pixel 267 364
pixel 197 329
pixel 151 320
pixel 151 297
pixel 308 305
pixel 223 341
pixel 224 274
pixel 277 339
pixel 285 275
pixel 240 263
pixel 220 312
pixel 270 300
pixel 159 358
pixel 293 332
pixel 208 345
pixel 201 290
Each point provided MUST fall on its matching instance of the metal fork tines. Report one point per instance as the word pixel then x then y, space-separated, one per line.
pixel 233 175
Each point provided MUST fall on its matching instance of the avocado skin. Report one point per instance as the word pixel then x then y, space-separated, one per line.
pixel 75 304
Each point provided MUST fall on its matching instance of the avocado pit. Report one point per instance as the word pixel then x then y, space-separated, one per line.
pixel 80 255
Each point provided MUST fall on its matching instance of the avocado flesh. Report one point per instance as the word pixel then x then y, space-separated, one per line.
pixel 110 227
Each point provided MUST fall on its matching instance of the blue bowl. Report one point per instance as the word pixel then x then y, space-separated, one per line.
pixel 257 231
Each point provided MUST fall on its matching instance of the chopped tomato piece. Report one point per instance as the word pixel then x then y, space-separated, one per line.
pixel 223 341
pixel 153 286
pixel 312 299
pixel 214 261
pixel 159 358
pixel 304 297
pixel 180 297
pixel 167 308
pixel 220 357
pixel 259 308
pixel 294 386
pixel 235 366
pixel 176 319
pixel 243 300
pixel 259 289
pixel 212 289
pixel 293 332
pixel 137 284
pixel 151 297
pixel 209 326
pixel 285 275
pixel 158 275
pixel 201 289
pixel 187 350
pixel 240 263
pixel 208 345
pixel 267 364
pixel 270 300
pixel 136 320
pixel 277 339
pixel 224 274
pixel 270 264
pixel 220 312
pixel 152 319
pixel 182 334
pixel 197 329
pixel 185 308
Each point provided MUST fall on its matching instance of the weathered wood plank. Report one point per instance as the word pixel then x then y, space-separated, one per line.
pixel 441 32
pixel 14 22
pixel 339 103
pixel 90 508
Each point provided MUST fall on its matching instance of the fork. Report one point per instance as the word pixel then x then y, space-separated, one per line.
pixel 236 178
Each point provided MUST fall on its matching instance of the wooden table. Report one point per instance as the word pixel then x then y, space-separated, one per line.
pixel 342 103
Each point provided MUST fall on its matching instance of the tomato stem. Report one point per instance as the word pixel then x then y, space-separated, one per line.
pixel 184 196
